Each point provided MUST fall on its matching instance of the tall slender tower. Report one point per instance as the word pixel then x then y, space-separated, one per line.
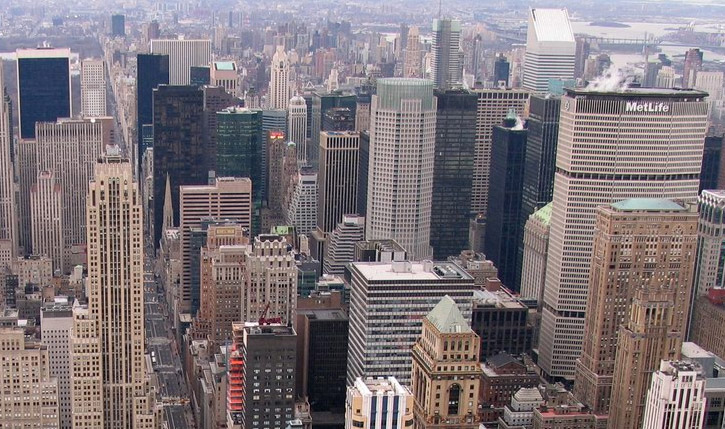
pixel 93 88
pixel 400 183
pixel 640 243
pixel 297 127
pixel 446 64
pixel 47 223
pixel 115 294
pixel 598 133
pixel 550 49
pixel 279 89
pixel 8 209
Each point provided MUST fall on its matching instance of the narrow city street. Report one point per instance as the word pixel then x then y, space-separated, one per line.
pixel 164 352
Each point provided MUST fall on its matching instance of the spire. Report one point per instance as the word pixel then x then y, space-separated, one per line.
pixel 168 221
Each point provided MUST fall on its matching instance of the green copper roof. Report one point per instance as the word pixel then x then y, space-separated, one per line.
pixel 544 214
pixel 224 65
pixel 648 204
pixel 281 229
pixel 447 318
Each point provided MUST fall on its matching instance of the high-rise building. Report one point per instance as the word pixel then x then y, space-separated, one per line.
pixel 712 158
pixel 44 92
pixel 710 259
pixel 276 147
pixel 178 146
pixel 228 198
pixel 151 71
pixel 501 72
pixel 271 281
pixel 118 25
pixel 182 55
pixel 224 74
pixel 341 246
pixel 446 57
pixel 362 173
pixel 338 178
pixel 446 371
pixel 46 206
pixel 216 99
pixel 618 259
pixel 8 204
pixel 93 88
pixel 413 67
pixel 585 178
pixel 301 211
pixel 321 103
pixel 380 341
pixel 676 397
pixel 278 96
pixel 455 145
pixel 69 148
pixel 504 220
pixel 239 146
pixel 366 396
pixel 199 76
pixel 56 322
pixel 550 49
pixel 30 393
pixel 493 107
pixel 109 370
pixel 712 369
pixel 693 64
pixel 297 126
pixel 400 183
pixel 708 319
pixel 536 244
pixel 261 378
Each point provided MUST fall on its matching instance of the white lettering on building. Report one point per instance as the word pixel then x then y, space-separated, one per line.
pixel 633 106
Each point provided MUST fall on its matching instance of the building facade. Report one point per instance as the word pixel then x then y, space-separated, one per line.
pixel 46 206
pixel 676 397
pixel 279 93
pixel 446 57
pixel 366 397
pixel 93 88
pixel 710 240
pixel 183 54
pixel 338 178
pixel 550 49
pixel 536 244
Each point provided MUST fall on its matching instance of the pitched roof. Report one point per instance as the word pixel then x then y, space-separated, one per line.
pixel 447 318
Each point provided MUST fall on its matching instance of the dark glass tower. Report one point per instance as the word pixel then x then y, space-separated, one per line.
pixel 501 69
pixel 503 229
pixel 44 92
pixel 362 181
pixel 711 158
pixel 151 71
pixel 452 172
pixel 118 25
pixel 321 103
pixel 178 146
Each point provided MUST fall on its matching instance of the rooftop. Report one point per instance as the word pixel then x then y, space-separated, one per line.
pixel 544 213
pixel 380 386
pixel 639 92
pixel 411 271
pixel 647 204
pixel 447 317
pixel 552 25
pixel 225 65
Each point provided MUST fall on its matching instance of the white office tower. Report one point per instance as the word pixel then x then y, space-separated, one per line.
pixel 380 339
pixel 446 57
pixel 333 82
pixel 297 127
pixel 56 323
pixel 93 88
pixel 8 208
pixel 366 399
pixel 29 392
pixel 109 338
pixel 633 143
pixel 666 77
pixel 536 244
pixel 712 83
pixel 279 89
pixel 302 209
pixel 676 397
pixel 183 54
pixel 413 58
pixel 400 180
pixel 550 49
pixel 710 262
pixel 341 247
pixel 46 204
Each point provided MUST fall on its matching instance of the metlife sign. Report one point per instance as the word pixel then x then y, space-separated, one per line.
pixel 634 106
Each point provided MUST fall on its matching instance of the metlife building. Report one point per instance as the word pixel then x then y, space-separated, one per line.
pixel 629 143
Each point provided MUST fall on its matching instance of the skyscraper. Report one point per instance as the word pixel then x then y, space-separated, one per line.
pixel 543 133
pixel 550 49
pixel 341 247
pixel 118 25
pixel 182 55
pixel 301 209
pixel 178 146
pixel 297 127
pixel 228 198
pixel 413 67
pixel 501 71
pixel 321 103
pixel 278 96
pixel 44 92
pixel 400 183
pixel 597 170
pixel 56 321
pixel 380 341
pixel 505 226
pixel 112 330
pixel 709 272
pixel 151 71
pixel 535 244
pixel 445 365
pixel 676 397
pixel 665 264
pixel 224 74
pixel 8 207
pixel 455 146
pixel 46 206
pixel 693 64
pixel 337 178
pixel 446 57
pixel 366 396
pixel 93 88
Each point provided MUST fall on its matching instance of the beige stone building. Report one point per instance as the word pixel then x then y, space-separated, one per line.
pixel 446 372
pixel 367 398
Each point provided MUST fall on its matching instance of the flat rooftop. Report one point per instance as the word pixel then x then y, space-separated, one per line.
pixel 411 271
pixel 647 204
pixel 638 93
